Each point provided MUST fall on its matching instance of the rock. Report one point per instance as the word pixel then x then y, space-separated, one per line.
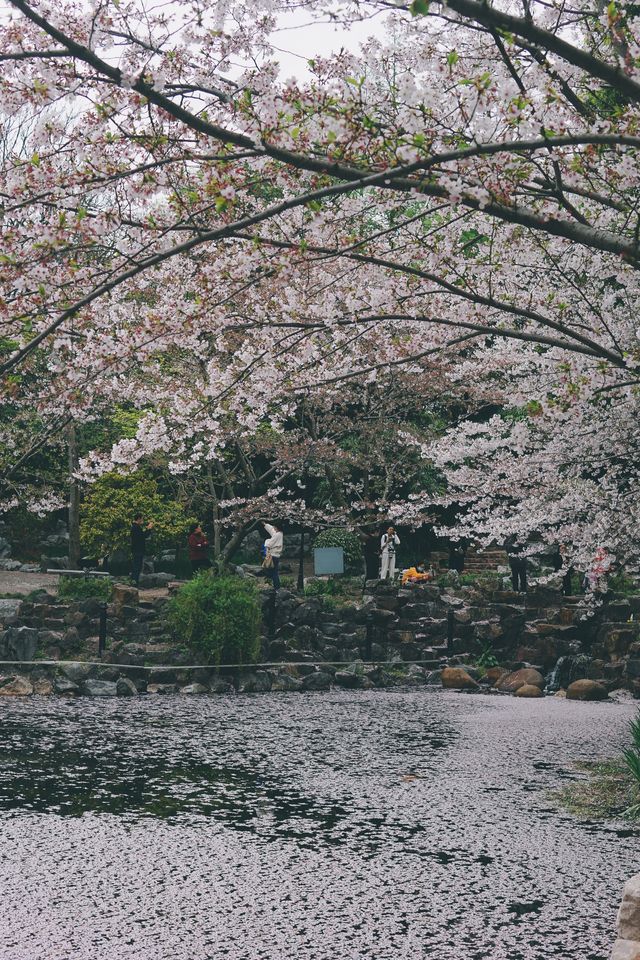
pixel 75 671
pixel 163 688
pixel 194 688
pixel 43 687
pixel 124 596
pixel 513 681
pixel 100 688
pixel 18 643
pixel 346 680
pixel 29 568
pixel 622 696
pixel 65 687
pixel 10 564
pixel 71 640
pixel 258 682
pixel 586 690
pixel 283 682
pixel 15 686
pixel 221 686
pixel 5 548
pixel 495 674
pixel 9 608
pixel 626 950
pixel 126 687
pixel 456 678
pixel 628 922
pixel 528 690
pixel 561 694
pixel 317 681
pixel 54 563
pixel 163 675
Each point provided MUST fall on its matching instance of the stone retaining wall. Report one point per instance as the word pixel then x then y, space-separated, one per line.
pixel 71 678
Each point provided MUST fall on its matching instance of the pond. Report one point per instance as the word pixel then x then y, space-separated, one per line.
pixel 391 824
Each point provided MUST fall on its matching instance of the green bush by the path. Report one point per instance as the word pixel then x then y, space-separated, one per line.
pixel 219 618
pixel 84 588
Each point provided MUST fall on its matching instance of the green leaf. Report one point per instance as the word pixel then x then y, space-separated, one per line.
pixel 419 8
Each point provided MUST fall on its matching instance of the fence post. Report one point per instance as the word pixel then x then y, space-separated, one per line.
pixel 102 631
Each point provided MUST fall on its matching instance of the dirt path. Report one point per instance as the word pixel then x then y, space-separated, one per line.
pixel 15 581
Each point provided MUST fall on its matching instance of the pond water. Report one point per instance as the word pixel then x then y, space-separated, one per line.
pixel 383 824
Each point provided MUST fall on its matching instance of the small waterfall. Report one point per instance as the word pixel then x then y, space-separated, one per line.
pixel 566 670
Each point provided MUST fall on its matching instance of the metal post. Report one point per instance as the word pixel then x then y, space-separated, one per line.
pixel 450 630
pixel 102 633
pixel 272 615
pixel 368 640
pixel 301 564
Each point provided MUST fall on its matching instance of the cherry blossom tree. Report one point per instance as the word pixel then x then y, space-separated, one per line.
pixel 459 202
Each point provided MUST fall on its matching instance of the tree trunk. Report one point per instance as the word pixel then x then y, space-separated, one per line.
pixel 74 499
pixel 215 513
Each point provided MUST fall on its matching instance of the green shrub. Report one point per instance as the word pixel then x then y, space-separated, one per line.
pixel 219 618
pixel 623 584
pixel 337 537
pixel 109 508
pixel 84 588
pixel 632 759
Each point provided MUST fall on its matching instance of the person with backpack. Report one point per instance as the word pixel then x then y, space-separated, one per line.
pixel 390 540
pixel 274 545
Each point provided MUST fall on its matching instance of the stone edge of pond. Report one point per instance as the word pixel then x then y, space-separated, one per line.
pixel 94 678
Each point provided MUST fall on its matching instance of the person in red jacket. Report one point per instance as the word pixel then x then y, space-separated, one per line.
pixel 198 544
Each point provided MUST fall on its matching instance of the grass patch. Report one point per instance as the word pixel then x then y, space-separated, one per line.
pixel 607 790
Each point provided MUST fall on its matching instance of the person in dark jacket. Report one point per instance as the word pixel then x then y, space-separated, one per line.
pixel 371 549
pixel 518 564
pixel 139 536
pixel 198 545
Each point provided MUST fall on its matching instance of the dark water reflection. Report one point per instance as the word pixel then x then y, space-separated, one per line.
pixel 342 825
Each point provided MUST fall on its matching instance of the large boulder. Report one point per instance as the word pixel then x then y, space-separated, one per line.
pixel 15 686
pixel 43 687
pixel 100 688
pixel 317 681
pixel 194 688
pixel 9 607
pixel 457 678
pixel 513 681
pixel 126 687
pixel 18 643
pixel 258 682
pixel 628 922
pixel 626 950
pixel 124 596
pixel 285 683
pixel 586 690
pixel 528 690
pixel 65 687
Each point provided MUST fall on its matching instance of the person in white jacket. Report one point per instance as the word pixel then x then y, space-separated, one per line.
pixel 274 545
pixel 390 540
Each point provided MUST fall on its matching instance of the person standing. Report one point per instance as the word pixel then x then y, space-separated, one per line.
pixel 139 537
pixel 518 564
pixel 390 540
pixel 274 545
pixel 198 544
pixel 371 555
